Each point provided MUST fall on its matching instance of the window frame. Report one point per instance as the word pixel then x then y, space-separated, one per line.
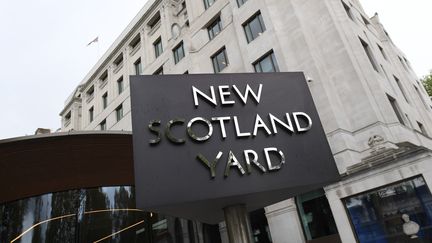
pixel 138 67
pixel 214 59
pixel 208 3
pixel 119 112
pixel 248 30
pixel 102 125
pixel 211 26
pixel 272 56
pixel 105 100
pixel 120 85
pixel 158 48
pixel 91 114
pixel 177 57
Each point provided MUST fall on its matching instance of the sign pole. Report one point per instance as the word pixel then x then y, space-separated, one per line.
pixel 238 224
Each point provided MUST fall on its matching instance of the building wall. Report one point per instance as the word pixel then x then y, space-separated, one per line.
pixel 319 38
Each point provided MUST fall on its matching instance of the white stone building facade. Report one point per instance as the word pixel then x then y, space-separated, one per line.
pixel 376 114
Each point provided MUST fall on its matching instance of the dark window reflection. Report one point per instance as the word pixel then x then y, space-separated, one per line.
pixel 316 216
pixel 260 228
pixel 378 215
pixel 95 215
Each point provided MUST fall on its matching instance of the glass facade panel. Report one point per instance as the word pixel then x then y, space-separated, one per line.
pixel 105 214
pixel 397 213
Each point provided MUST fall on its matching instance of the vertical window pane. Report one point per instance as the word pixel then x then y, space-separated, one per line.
pixel 91 113
pixel 138 67
pixel 158 47
pixel 105 100
pixel 214 28
pixel 208 3
pixel 266 64
pixel 220 60
pixel 120 85
pixel 178 53
pixel 254 27
pixel 241 2
pixel 369 54
pixel 396 109
pixel 315 214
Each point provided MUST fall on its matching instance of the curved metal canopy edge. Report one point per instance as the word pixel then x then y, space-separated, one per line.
pixel 35 165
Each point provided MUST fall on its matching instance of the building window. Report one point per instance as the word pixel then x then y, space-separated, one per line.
pixel 105 100
pixel 178 52
pixel 214 28
pixel 369 54
pixel 421 97
pixel 315 215
pixel 91 114
pixel 382 52
pixel 159 71
pixel 158 47
pixel 348 11
pixel 422 129
pixel 401 88
pixel 67 118
pixel 266 64
pixel 135 42
pixel 119 112
pixel 138 67
pixel 154 21
pixel 208 3
pixel 103 125
pixel 403 64
pixel 260 227
pixel 254 27
pixel 118 61
pixel 219 60
pixel 120 85
pixel 381 215
pixel 103 78
pixel 396 109
pixel 241 2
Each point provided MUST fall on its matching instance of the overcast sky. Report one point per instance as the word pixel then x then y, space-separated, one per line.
pixel 44 54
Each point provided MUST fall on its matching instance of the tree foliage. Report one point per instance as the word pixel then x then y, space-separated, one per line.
pixel 427 82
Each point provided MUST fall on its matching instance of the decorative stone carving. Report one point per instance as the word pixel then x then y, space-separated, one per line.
pixel 410 228
pixel 376 143
pixel 175 31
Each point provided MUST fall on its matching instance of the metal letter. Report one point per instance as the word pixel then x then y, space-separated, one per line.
pixel 193 135
pixel 211 100
pixel 254 160
pixel 168 131
pixel 302 129
pixel 240 134
pixel 222 124
pixel 211 165
pixel 249 90
pixel 155 131
pixel 288 126
pixel 259 123
pixel 223 93
pixel 232 161
pixel 269 164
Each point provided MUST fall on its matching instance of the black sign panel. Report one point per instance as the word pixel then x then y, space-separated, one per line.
pixel 203 142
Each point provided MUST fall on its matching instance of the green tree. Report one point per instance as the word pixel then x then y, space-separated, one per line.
pixel 427 82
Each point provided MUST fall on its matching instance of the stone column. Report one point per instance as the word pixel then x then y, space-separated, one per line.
pixel 284 223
